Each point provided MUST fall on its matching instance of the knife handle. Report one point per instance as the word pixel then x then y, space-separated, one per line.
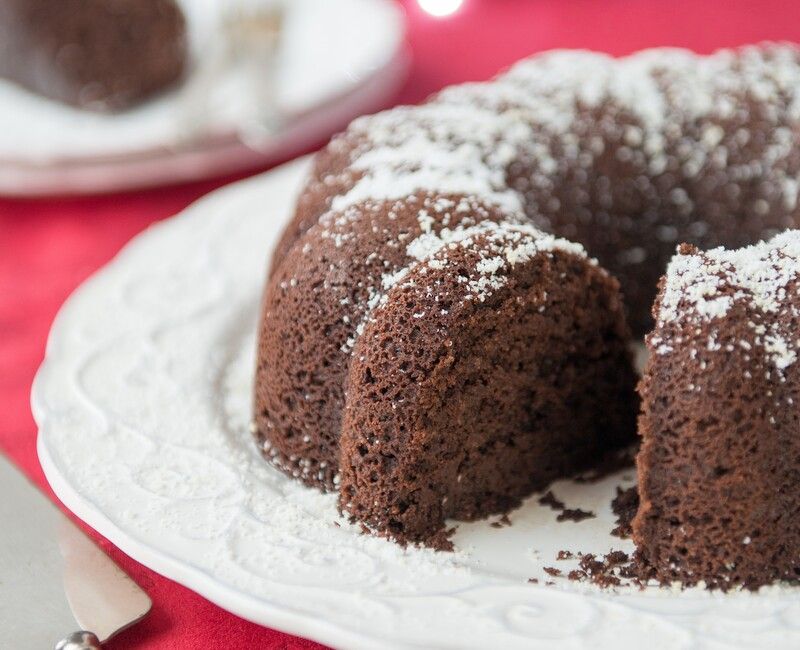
pixel 79 641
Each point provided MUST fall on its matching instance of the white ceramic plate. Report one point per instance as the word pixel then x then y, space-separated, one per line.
pixel 143 404
pixel 339 58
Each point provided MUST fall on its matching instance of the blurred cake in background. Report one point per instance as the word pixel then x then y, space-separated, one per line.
pixel 104 55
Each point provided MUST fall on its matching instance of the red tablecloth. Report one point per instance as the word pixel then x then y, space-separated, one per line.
pixel 48 247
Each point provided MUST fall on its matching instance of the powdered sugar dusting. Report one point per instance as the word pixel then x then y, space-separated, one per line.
pixel 659 87
pixel 450 149
pixel 500 245
pixel 706 285
pixel 664 112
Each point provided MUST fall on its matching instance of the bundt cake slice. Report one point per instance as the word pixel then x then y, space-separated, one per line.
pixel 491 367
pixel 718 467
pixel 94 54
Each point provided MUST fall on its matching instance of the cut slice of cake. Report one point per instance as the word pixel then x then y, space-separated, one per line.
pixel 719 466
pixel 493 366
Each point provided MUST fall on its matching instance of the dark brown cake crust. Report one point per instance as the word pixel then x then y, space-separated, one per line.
pixel 718 466
pixel 464 411
pixel 94 54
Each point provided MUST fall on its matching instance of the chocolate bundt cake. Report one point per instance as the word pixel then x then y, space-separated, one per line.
pixel 94 54
pixel 718 474
pixel 403 357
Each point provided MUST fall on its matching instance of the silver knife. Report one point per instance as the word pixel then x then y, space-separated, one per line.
pixel 57 589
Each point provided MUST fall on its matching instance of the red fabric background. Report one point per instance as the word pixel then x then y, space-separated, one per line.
pixel 47 247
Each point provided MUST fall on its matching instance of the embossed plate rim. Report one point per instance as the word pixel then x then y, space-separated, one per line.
pixel 195 578
pixel 325 627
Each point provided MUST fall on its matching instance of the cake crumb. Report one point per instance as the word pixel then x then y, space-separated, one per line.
pixel 575 514
pixel 502 522
pixel 624 506
pixel 549 499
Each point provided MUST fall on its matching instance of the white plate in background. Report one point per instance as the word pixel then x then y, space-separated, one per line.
pixel 339 58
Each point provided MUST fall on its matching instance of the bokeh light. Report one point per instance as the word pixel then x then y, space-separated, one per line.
pixel 440 8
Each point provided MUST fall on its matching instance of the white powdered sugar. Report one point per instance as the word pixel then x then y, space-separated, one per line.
pixel 661 89
pixel 449 149
pixel 704 286
pixel 512 143
pixel 500 247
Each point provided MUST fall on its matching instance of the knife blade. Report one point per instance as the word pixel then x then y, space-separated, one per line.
pixel 57 588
